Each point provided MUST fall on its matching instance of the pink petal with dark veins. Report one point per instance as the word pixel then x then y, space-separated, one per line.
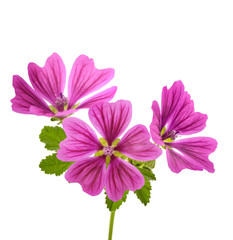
pixel 155 124
pixel 192 124
pixel 194 154
pixel 49 80
pixel 81 141
pixel 172 98
pixel 111 119
pixel 89 173
pixel 27 101
pixel 85 79
pixel 122 176
pixel 136 145
pixel 104 96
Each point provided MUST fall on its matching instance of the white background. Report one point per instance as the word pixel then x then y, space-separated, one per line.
pixel 150 44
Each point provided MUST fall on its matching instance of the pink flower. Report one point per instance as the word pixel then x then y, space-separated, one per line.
pixel 110 120
pixel 177 117
pixel 49 82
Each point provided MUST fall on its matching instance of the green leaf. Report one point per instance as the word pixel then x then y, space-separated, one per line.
pixel 142 164
pixel 147 173
pixel 52 165
pixel 113 206
pixel 143 194
pixel 52 136
pixel 137 163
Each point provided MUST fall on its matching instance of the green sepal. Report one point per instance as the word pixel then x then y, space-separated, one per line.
pixel 75 106
pixel 168 140
pixel 52 136
pixel 120 155
pixel 162 131
pixel 53 109
pixel 52 165
pixel 108 159
pixel 114 144
pixel 54 119
pixel 113 206
pixel 99 153
pixel 65 107
pixel 143 194
pixel 103 142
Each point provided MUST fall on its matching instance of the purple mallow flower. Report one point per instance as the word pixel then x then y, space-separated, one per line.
pixel 49 83
pixel 106 170
pixel 177 117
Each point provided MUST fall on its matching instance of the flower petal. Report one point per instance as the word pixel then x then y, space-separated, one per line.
pixel 136 145
pixel 155 125
pixel 90 173
pixel 194 154
pixel 26 99
pixel 104 96
pixel 49 81
pixel 81 140
pixel 171 100
pixel 188 124
pixel 111 119
pixel 65 113
pixel 85 79
pixel 122 176
pixel 38 111
pixel 178 162
pixel 184 120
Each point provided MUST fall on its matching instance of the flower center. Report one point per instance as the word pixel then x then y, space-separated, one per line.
pixel 172 134
pixel 60 102
pixel 108 151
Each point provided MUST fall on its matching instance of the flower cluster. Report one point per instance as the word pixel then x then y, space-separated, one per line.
pixel 113 162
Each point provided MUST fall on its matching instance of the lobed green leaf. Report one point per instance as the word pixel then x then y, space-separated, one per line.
pixel 113 206
pixel 52 165
pixel 52 136
pixel 143 194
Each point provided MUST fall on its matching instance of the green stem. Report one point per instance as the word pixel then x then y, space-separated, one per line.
pixel 111 225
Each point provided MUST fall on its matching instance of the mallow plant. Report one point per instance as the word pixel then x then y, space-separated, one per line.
pixel 122 159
